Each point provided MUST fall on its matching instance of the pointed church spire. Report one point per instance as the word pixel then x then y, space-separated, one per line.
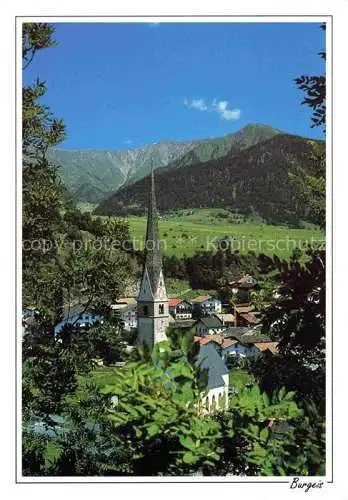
pixel 152 309
pixel 153 257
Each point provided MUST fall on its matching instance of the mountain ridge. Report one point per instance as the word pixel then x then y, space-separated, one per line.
pixel 93 174
pixel 254 180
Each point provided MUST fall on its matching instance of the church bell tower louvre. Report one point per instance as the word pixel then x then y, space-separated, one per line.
pixel 153 315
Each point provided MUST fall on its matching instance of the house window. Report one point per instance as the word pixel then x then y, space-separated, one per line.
pixel 161 308
pixel 146 310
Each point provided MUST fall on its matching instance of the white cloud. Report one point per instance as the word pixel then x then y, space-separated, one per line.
pixel 196 104
pixel 220 107
pixel 231 114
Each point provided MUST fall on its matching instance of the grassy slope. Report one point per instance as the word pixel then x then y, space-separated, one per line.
pixel 186 234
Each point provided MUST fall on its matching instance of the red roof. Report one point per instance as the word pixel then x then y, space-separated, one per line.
pixel 174 302
pixel 251 318
pixel 270 346
pixel 205 340
pixel 228 342
pixel 224 343
pixel 209 338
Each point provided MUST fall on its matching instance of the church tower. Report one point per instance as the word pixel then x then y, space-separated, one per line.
pixel 153 315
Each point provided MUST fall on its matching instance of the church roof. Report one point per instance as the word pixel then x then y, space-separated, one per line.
pixel 209 359
pixel 153 257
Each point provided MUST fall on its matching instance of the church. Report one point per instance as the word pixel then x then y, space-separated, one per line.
pixel 152 303
pixel 153 313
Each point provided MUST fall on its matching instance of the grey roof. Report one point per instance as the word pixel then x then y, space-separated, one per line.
pixel 232 331
pixel 184 323
pixel 153 257
pixel 253 339
pixel 211 321
pixel 208 358
pixel 246 335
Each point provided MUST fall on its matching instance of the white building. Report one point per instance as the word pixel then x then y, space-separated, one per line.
pixel 205 305
pixel 180 309
pixel 218 379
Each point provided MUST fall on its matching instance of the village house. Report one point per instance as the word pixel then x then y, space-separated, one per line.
pixel 247 345
pixel 78 316
pixel 227 319
pixel 126 309
pixel 224 346
pixel 180 309
pixel 242 285
pixel 245 281
pixel 128 317
pixel 249 319
pixel 250 343
pixel 205 305
pixel 243 350
pixel 246 315
pixel 209 325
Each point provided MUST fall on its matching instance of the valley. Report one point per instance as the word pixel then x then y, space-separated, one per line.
pixel 202 229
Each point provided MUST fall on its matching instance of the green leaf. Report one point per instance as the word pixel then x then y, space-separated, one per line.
pixel 289 396
pixel 137 431
pixel 152 430
pixel 189 458
pixel 187 442
pixel 281 393
pixel 107 389
pixel 265 399
pixel 264 434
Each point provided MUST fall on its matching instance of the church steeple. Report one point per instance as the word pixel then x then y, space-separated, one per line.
pixel 153 257
pixel 153 314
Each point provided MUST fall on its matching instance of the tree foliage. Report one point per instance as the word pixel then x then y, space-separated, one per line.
pixel 311 184
pixel 152 421
pixel 314 88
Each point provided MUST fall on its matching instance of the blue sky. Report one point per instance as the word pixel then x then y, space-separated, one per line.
pixel 120 85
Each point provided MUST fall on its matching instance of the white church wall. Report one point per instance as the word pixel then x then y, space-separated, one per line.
pixel 220 394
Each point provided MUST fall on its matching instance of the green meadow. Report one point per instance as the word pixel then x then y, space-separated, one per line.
pixel 187 232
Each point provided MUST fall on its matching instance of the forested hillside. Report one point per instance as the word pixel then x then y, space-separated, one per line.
pixel 253 181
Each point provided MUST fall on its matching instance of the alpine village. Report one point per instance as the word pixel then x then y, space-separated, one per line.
pixel 173 297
